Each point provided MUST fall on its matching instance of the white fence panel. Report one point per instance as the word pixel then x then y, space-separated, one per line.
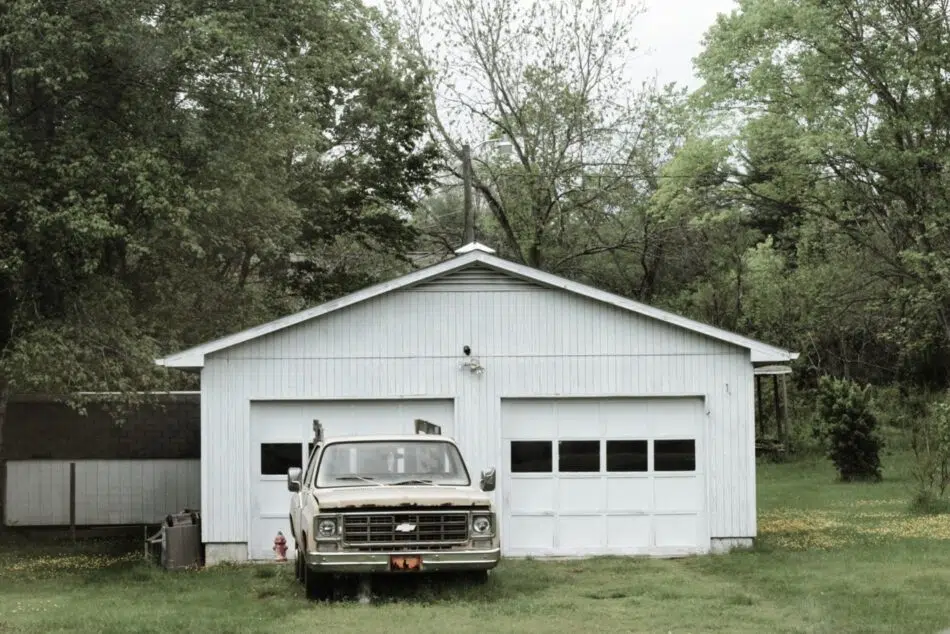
pixel 108 492
pixel 37 493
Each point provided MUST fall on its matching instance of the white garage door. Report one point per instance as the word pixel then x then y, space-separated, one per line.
pixel 280 439
pixel 608 476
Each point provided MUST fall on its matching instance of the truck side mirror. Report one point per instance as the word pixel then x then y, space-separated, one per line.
pixel 488 480
pixel 293 479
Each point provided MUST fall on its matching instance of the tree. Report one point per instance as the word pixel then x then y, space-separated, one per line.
pixel 930 443
pixel 844 131
pixel 172 171
pixel 565 153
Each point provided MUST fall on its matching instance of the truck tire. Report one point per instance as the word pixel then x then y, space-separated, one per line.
pixel 317 585
pixel 476 577
pixel 299 564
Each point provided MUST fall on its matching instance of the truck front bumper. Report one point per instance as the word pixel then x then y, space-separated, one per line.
pixel 379 562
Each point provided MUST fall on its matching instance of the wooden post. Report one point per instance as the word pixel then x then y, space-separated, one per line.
pixel 72 500
pixel 467 193
pixel 778 415
pixel 759 414
pixel 784 414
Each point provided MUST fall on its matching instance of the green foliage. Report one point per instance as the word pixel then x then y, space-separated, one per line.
pixel 930 443
pixel 838 152
pixel 566 154
pixel 803 419
pixel 175 171
pixel 929 503
pixel 848 427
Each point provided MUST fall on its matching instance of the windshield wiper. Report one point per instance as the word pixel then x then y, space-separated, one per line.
pixel 357 477
pixel 414 481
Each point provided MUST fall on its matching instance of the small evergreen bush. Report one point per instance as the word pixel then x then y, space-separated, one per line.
pixel 848 428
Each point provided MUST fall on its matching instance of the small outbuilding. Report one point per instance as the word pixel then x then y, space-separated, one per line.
pixel 616 428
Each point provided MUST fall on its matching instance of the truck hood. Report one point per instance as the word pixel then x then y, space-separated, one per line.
pixel 408 496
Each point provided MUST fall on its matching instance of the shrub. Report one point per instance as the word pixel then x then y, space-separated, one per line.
pixel 930 442
pixel 802 420
pixel 897 410
pixel 848 428
pixel 927 503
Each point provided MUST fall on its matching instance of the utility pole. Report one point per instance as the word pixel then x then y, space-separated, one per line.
pixel 467 187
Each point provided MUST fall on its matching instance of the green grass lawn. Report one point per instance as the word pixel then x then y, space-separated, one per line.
pixel 831 558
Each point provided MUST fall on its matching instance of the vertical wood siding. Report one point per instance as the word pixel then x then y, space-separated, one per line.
pixel 108 492
pixel 531 341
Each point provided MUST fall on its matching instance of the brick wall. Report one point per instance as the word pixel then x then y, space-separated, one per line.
pixel 40 428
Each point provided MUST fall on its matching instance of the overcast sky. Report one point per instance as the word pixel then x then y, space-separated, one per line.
pixel 669 34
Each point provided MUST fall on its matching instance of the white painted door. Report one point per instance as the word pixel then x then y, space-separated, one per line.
pixel 604 476
pixel 280 438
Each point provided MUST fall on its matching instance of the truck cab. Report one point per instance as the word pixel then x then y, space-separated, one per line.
pixel 390 504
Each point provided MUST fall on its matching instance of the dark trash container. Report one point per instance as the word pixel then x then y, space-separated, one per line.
pixel 180 540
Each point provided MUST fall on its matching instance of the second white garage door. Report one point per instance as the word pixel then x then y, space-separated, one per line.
pixel 604 476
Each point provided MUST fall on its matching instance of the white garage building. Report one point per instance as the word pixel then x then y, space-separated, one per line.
pixel 616 428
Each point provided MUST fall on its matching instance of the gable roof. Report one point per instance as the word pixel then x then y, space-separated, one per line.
pixel 470 255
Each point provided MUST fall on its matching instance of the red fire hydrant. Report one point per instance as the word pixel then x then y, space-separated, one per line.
pixel 280 546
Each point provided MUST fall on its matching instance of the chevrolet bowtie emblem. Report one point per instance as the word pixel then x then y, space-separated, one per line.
pixel 405 527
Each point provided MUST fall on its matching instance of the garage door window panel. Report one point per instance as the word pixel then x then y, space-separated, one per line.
pixel 278 457
pixel 532 456
pixel 627 456
pixel 530 492
pixel 579 456
pixel 674 455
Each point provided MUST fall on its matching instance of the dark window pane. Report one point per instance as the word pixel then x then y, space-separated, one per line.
pixel 578 456
pixel 276 458
pixel 531 456
pixel 626 455
pixel 674 455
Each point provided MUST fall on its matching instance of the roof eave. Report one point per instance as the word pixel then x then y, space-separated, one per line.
pixel 772 356
pixel 197 361
pixel 192 361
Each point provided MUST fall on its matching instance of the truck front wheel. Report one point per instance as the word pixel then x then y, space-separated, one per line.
pixel 299 564
pixel 318 585
pixel 475 577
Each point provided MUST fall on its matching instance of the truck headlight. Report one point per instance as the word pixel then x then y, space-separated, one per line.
pixel 326 528
pixel 481 524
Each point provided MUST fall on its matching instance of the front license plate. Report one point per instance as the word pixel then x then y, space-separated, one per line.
pixel 402 563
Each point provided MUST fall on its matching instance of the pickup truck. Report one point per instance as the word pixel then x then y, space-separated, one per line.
pixel 389 504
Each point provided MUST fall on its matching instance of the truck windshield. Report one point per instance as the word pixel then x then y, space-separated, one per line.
pixel 369 463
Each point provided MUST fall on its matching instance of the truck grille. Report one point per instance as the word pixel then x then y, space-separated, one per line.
pixel 372 530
